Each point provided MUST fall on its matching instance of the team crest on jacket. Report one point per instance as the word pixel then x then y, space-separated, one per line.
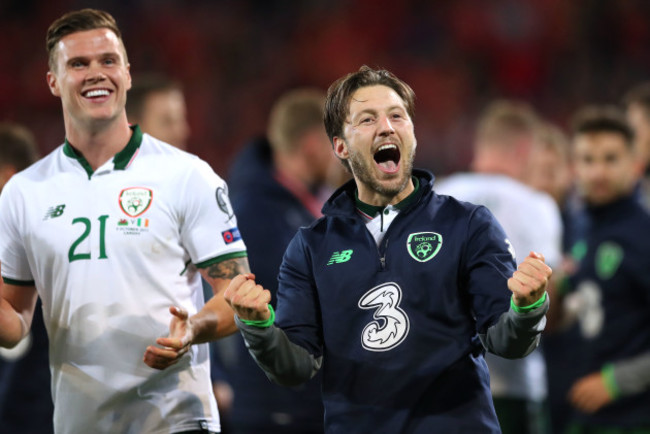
pixel 422 246
pixel 134 201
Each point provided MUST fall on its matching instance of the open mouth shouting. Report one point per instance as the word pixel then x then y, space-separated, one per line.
pixel 387 158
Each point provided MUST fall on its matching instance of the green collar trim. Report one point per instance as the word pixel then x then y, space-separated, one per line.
pixel 71 152
pixel 373 210
pixel 124 157
pixel 121 159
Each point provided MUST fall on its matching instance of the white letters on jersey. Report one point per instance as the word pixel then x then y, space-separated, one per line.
pixel 392 324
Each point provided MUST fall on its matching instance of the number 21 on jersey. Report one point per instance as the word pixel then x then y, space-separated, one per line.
pixel 73 255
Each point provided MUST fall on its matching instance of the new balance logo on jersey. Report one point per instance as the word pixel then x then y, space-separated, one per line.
pixel 340 257
pixel 54 211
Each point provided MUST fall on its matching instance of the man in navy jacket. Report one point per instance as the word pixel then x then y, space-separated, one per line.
pixel 396 292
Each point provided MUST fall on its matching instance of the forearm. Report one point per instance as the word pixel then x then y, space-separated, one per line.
pixel 282 361
pixel 215 320
pixel 516 335
pixel 13 326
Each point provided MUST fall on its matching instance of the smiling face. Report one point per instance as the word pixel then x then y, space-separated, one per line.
pixel 379 143
pixel 91 77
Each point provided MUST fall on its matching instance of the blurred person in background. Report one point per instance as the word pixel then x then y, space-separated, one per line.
pixel 550 171
pixel 18 150
pixel 609 288
pixel 549 166
pixel 505 141
pixel 637 110
pixel 157 104
pixel 112 230
pixel 25 398
pixel 275 184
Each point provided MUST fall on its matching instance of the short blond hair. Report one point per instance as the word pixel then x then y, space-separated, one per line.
pixel 504 119
pixel 552 138
pixel 292 115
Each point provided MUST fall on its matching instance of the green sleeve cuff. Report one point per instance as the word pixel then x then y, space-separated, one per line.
pixel 261 323
pixel 524 309
pixel 610 381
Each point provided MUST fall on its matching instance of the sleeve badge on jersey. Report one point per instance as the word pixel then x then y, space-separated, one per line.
pixel 231 235
pixel 224 203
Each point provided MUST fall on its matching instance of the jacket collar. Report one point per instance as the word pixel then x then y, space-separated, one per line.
pixel 343 201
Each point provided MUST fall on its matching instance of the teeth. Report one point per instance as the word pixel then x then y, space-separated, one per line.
pixel 97 92
pixel 389 146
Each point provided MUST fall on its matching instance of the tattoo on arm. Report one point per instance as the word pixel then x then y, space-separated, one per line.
pixel 229 268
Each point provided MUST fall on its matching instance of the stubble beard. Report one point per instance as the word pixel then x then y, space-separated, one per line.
pixel 364 173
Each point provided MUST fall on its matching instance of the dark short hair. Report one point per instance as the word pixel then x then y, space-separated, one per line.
pixel 602 119
pixel 337 103
pixel 78 21
pixel 17 146
pixel 143 86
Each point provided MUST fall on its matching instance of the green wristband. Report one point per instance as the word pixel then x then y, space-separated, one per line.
pixel 525 309
pixel 610 381
pixel 261 323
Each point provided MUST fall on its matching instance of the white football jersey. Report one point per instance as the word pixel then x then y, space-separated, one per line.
pixel 109 252
pixel 532 222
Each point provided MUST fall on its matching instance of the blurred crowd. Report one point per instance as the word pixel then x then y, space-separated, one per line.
pixel 235 58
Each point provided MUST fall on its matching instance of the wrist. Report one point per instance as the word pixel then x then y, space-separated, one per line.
pixel 265 323
pixel 609 380
pixel 525 309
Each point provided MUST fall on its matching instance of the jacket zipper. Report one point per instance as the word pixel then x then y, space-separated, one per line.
pixel 382 257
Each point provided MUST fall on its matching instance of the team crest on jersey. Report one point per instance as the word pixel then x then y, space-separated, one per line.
pixel 608 258
pixel 134 201
pixel 422 246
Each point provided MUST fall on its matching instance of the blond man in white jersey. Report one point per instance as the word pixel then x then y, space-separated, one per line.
pixel 110 229
pixel 505 137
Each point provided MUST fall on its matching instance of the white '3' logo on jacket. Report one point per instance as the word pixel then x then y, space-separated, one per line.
pixel 391 323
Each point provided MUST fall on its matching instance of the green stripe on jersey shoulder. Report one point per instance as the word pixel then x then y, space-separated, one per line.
pixel 121 159
pixel 9 281
pixel 242 254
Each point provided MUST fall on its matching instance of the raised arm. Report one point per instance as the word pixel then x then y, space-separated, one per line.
pixel 282 361
pixel 516 334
